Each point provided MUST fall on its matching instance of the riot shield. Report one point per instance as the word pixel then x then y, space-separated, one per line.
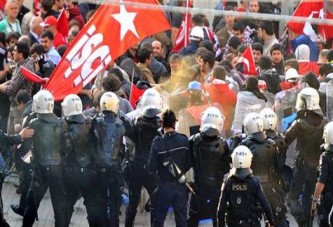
pixel 284 107
pixel 329 101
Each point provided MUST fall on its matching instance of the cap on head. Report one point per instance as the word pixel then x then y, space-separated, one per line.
pixel 49 21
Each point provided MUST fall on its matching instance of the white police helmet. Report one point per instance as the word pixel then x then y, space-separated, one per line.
pixel 253 123
pixel 151 102
pixel 72 105
pixel 328 134
pixel 109 101
pixel 212 118
pixel 241 157
pixel 43 102
pixel 307 99
pixel 269 119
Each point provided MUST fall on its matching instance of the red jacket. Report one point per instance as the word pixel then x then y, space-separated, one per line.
pixel 219 92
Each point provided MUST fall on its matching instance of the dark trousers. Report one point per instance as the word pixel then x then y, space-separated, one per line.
pixel 304 183
pixel 42 179
pixel 171 194
pixel 275 196
pixel 137 179
pixel 108 190
pixel 204 205
pixel 82 182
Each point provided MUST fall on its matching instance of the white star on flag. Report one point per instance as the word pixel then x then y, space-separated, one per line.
pixel 126 20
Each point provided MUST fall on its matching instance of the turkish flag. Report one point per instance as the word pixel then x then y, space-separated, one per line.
pixel 246 63
pixel 108 34
pixel 311 9
pixel 63 25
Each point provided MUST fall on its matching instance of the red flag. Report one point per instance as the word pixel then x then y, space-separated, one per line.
pixel 63 25
pixel 135 95
pixel 182 38
pixel 108 34
pixel 312 9
pixel 31 76
pixel 246 63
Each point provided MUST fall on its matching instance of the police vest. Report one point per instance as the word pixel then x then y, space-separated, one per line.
pixel 210 160
pixel 264 157
pixel 108 141
pixel 146 129
pixel 78 134
pixel 47 140
pixel 242 203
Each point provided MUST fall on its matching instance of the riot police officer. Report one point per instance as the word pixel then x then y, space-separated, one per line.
pixel 243 192
pixel 106 136
pixel 169 158
pixel 47 160
pixel 324 187
pixel 270 123
pixel 144 129
pixel 6 140
pixel 81 179
pixel 211 160
pixel 265 165
pixel 308 130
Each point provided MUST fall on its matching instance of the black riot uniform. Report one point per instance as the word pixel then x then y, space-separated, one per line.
pixel 107 135
pixel 23 166
pixel 265 165
pixel 325 177
pixel 47 169
pixel 167 151
pixel 144 130
pixel 282 147
pixel 243 192
pixel 81 178
pixel 211 160
pixel 5 140
pixel 308 130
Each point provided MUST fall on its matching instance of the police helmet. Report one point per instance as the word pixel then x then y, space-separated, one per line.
pixel 269 119
pixel 253 123
pixel 241 157
pixel 307 99
pixel 151 102
pixel 109 101
pixel 43 102
pixel 212 119
pixel 328 134
pixel 197 33
pixel 72 105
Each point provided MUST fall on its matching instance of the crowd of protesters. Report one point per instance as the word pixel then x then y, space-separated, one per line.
pixel 211 71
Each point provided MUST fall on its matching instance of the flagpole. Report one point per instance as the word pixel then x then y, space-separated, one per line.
pixel 186 22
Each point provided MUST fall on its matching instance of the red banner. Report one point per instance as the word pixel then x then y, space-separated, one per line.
pixel 107 35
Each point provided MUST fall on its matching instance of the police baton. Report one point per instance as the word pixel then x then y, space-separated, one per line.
pixel 189 188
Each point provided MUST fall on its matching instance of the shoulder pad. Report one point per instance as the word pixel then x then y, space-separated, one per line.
pixel 196 138
pixel 270 141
